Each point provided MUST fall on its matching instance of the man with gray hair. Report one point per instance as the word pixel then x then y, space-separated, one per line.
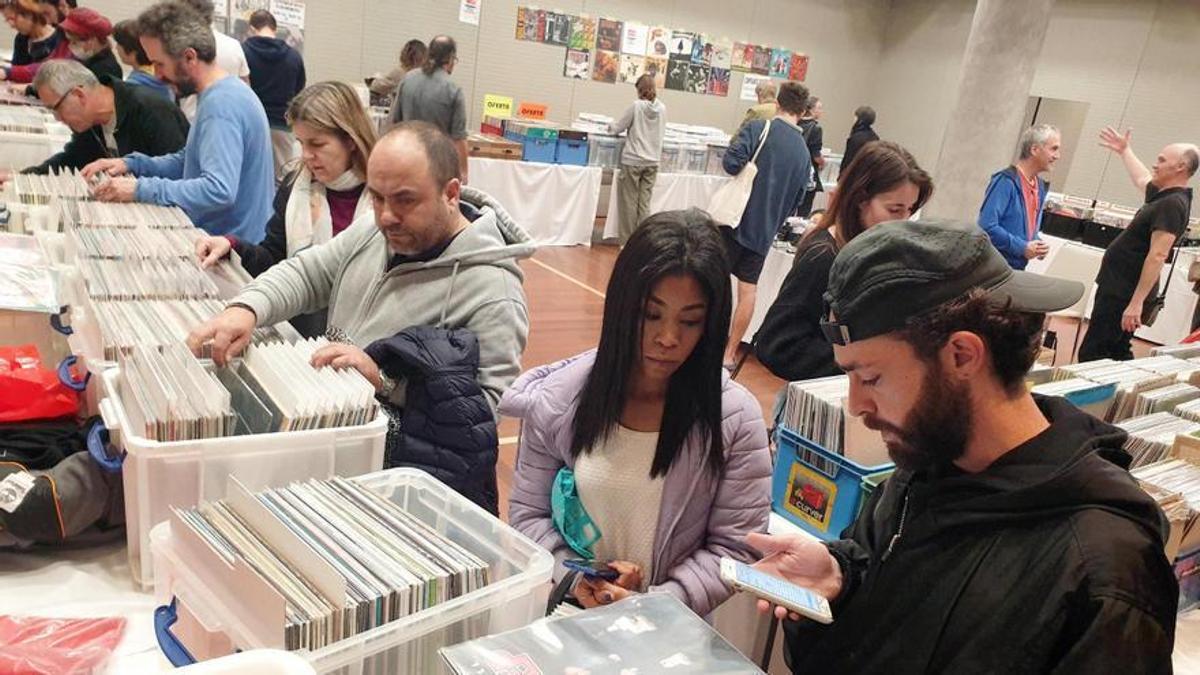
pixel 224 177
pixel 1011 214
pixel 766 91
pixel 1127 284
pixel 107 117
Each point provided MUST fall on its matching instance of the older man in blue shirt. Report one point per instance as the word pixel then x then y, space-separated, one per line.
pixel 1011 214
pixel 223 177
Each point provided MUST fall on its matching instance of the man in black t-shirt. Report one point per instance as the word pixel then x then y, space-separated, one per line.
pixel 1132 264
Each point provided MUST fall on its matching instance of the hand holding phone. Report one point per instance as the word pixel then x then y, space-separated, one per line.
pixel 592 569
pixel 798 599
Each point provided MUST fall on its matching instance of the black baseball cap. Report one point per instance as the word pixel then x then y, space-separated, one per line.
pixel 899 270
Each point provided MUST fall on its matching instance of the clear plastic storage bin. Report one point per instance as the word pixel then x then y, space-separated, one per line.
pixel 604 151
pixel 520 585
pixel 161 475
pixel 694 158
pixel 714 159
pixel 671 159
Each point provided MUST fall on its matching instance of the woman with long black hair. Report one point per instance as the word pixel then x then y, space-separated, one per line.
pixel 644 454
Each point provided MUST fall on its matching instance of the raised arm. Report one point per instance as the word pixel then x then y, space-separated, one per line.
pixel 1119 143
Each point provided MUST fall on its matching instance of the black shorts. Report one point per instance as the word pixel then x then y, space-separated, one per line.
pixel 744 264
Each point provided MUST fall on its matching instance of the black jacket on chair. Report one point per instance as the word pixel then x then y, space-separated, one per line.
pixel 446 427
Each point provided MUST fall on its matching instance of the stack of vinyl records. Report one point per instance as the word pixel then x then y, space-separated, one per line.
pixel 1130 381
pixel 344 559
pixel 1181 369
pixel 1174 484
pixel 140 243
pixel 815 410
pixel 1188 351
pixel 1091 397
pixel 149 279
pixel 158 323
pixel 1165 399
pixel 1152 436
pixel 120 215
pixel 170 396
pixel 39 190
pixel 301 397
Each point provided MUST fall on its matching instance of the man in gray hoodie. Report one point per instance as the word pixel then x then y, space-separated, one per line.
pixel 434 253
pixel 645 122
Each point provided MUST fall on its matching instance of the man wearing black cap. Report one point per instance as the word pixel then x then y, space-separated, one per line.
pixel 1011 537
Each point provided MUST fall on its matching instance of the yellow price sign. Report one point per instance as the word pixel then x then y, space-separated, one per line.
pixel 497 106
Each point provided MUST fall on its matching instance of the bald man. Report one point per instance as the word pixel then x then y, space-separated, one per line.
pixel 433 253
pixel 1128 279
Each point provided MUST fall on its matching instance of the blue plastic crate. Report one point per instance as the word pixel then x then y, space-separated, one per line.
pixel 814 488
pixel 538 149
pixel 571 152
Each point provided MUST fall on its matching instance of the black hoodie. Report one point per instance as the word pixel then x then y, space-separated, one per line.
pixel 1051 560
pixel 276 75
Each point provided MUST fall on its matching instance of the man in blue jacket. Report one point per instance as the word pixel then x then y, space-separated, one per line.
pixel 1012 206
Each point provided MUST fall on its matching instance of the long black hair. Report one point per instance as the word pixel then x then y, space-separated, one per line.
pixel 666 244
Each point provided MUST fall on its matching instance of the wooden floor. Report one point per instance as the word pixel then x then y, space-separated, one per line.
pixel 565 286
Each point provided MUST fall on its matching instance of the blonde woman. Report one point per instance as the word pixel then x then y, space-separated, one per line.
pixel 319 198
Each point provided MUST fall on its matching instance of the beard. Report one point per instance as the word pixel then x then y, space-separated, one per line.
pixel 184 86
pixel 935 432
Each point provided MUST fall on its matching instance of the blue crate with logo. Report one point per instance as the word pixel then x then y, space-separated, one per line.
pixel 540 142
pixel 572 147
pixel 817 489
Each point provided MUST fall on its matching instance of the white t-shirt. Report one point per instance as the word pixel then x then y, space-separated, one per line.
pixel 230 58
pixel 614 485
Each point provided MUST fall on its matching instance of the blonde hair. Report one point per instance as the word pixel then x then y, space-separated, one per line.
pixel 334 108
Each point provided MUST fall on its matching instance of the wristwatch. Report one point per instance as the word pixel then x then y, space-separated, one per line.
pixel 389 385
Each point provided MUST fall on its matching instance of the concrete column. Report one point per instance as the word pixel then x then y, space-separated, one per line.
pixel 997 71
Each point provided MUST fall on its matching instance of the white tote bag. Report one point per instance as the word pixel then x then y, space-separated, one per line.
pixel 729 203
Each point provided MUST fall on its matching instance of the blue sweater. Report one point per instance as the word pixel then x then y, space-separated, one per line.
pixel 783 171
pixel 1003 215
pixel 224 178
pixel 144 79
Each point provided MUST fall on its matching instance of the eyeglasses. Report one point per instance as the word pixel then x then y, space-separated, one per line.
pixel 54 108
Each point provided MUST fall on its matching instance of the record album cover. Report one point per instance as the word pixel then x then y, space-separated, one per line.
pixel 739 59
pixel 781 63
pixel 718 82
pixel 799 69
pixel 658 42
pixel 608 35
pixel 632 67
pixel 604 69
pixel 583 32
pixel 678 72
pixel 577 65
pixel 762 60
pixel 658 66
pixel 698 79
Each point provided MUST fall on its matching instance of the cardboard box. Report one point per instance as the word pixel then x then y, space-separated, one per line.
pixel 492 147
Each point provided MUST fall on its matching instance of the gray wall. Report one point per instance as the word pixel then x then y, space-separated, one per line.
pixel 1132 62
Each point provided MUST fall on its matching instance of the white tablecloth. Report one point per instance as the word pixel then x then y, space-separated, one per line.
pixel 672 191
pixel 555 203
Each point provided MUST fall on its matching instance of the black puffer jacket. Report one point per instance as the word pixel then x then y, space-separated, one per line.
pixel 1049 561
pixel 446 427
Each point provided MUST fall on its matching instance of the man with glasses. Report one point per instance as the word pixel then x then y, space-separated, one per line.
pixel 107 117
pixel 429 95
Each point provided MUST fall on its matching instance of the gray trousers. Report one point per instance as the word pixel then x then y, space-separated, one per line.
pixel 634 187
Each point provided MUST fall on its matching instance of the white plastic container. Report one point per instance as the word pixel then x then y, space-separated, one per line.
pixel 520 585
pixel 254 662
pixel 158 475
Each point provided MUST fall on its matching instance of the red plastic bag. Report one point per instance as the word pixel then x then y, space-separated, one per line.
pixel 28 391
pixel 38 646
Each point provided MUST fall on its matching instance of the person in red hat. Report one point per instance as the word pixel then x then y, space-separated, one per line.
pixel 37 41
pixel 87 34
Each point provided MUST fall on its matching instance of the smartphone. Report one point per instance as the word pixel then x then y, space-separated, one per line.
pixel 805 602
pixel 592 569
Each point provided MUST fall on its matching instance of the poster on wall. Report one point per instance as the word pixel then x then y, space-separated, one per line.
pixel 799 69
pixel 699 47
pixel 468 11
pixel 658 42
pixel 633 39
pixel 289 14
pixel 239 15
pixel 742 57
pixel 605 67
pixel 657 66
pixel 578 64
pixel 678 71
pixel 722 55
pixel 523 23
pixel 608 35
pixel 750 84
pixel 558 29
pixel 583 32
pixel 761 63
pixel 698 79
pixel 681 44
pixel 781 63
pixel 718 82
pixel 632 67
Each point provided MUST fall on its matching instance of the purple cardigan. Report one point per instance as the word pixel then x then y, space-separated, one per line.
pixel 702 517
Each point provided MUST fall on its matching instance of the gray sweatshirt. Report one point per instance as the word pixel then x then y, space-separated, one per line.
pixel 475 284
pixel 645 121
